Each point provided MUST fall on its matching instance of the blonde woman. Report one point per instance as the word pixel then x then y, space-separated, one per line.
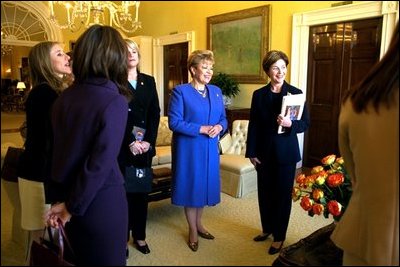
pixel 144 112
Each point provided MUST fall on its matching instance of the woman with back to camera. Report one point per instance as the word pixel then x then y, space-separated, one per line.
pixel 48 66
pixel 89 121
pixel 197 118
pixel 274 155
pixel 144 112
pixel 368 232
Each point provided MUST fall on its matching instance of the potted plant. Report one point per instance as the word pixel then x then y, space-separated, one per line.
pixel 229 86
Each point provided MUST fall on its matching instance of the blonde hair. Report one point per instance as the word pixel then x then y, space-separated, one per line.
pixel 198 56
pixel 133 45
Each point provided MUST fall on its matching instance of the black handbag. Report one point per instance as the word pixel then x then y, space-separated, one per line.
pixel 9 172
pixel 316 249
pixel 138 180
pixel 51 252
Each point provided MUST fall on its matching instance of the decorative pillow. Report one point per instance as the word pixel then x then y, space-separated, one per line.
pixel 164 135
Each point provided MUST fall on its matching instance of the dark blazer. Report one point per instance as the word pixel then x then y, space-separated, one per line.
pixel 35 162
pixel 263 140
pixel 144 112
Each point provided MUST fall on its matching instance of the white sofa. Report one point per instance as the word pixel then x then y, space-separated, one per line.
pixel 238 175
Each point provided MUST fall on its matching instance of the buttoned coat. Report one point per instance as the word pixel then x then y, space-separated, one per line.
pixel 195 156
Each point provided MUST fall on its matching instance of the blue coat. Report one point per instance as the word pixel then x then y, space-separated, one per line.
pixel 195 156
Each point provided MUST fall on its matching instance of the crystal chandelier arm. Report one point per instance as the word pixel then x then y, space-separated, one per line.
pixel 83 11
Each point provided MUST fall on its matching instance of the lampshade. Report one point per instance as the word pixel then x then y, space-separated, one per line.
pixel 21 86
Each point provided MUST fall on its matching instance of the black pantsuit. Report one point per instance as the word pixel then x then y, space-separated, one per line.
pixel 278 153
pixel 137 203
pixel 275 183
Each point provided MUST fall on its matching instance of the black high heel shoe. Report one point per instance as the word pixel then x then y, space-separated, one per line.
pixel 273 250
pixel 144 249
pixel 261 237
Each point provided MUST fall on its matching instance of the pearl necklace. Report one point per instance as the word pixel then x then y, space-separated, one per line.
pixel 203 92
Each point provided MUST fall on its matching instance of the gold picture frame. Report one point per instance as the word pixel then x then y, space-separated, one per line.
pixel 239 40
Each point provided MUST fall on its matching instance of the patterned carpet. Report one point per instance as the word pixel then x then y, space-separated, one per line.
pixel 234 222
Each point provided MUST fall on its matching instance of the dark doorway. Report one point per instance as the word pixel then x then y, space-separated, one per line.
pixel 339 55
pixel 175 69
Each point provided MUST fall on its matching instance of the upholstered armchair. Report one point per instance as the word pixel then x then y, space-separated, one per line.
pixel 238 175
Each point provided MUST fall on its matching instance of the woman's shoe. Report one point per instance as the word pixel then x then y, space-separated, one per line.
pixel 194 246
pixel 261 237
pixel 273 250
pixel 127 253
pixel 144 249
pixel 205 235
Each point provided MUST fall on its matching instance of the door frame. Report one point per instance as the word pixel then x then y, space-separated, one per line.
pixel 302 22
pixel 158 52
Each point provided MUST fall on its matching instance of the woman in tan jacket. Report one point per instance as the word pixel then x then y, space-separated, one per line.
pixel 368 232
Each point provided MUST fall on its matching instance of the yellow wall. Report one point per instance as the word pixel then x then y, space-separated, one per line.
pixel 161 18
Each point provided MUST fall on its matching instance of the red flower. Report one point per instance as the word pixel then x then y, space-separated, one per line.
pixel 334 207
pixel 318 209
pixel 335 179
pixel 306 203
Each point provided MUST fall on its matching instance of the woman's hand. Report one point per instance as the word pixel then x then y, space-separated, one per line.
pixel 56 212
pixel 205 129
pixel 214 130
pixel 255 161
pixel 139 147
pixel 284 121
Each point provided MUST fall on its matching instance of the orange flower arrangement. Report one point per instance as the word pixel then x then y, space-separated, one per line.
pixel 327 190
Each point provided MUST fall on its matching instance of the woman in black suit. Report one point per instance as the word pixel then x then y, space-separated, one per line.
pixel 144 112
pixel 274 155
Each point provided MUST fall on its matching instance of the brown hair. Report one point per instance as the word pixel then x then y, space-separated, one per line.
pixel 101 52
pixel 271 57
pixel 41 69
pixel 381 82
pixel 198 56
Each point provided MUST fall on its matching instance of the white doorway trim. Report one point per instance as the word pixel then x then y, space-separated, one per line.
pixel 301 23
pixel 158 52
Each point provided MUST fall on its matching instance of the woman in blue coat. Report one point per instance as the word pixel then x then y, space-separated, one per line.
pixel 197 118
pixel 274 155
pixel 89 120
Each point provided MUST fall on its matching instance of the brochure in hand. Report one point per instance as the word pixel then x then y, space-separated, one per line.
pixel 138 133
pixel 292 105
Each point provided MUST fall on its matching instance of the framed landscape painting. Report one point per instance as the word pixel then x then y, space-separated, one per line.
pixel 239 41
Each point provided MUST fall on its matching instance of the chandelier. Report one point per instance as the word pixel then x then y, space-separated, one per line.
pixel 87 13
pixel 6 50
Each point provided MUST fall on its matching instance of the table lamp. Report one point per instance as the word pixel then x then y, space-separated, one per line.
pixel 21 86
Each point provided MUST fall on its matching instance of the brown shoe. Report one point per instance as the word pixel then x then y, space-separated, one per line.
pixel 205 235
pixel 194 246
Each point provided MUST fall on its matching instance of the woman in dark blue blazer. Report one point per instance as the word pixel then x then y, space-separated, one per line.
pixel 274 155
